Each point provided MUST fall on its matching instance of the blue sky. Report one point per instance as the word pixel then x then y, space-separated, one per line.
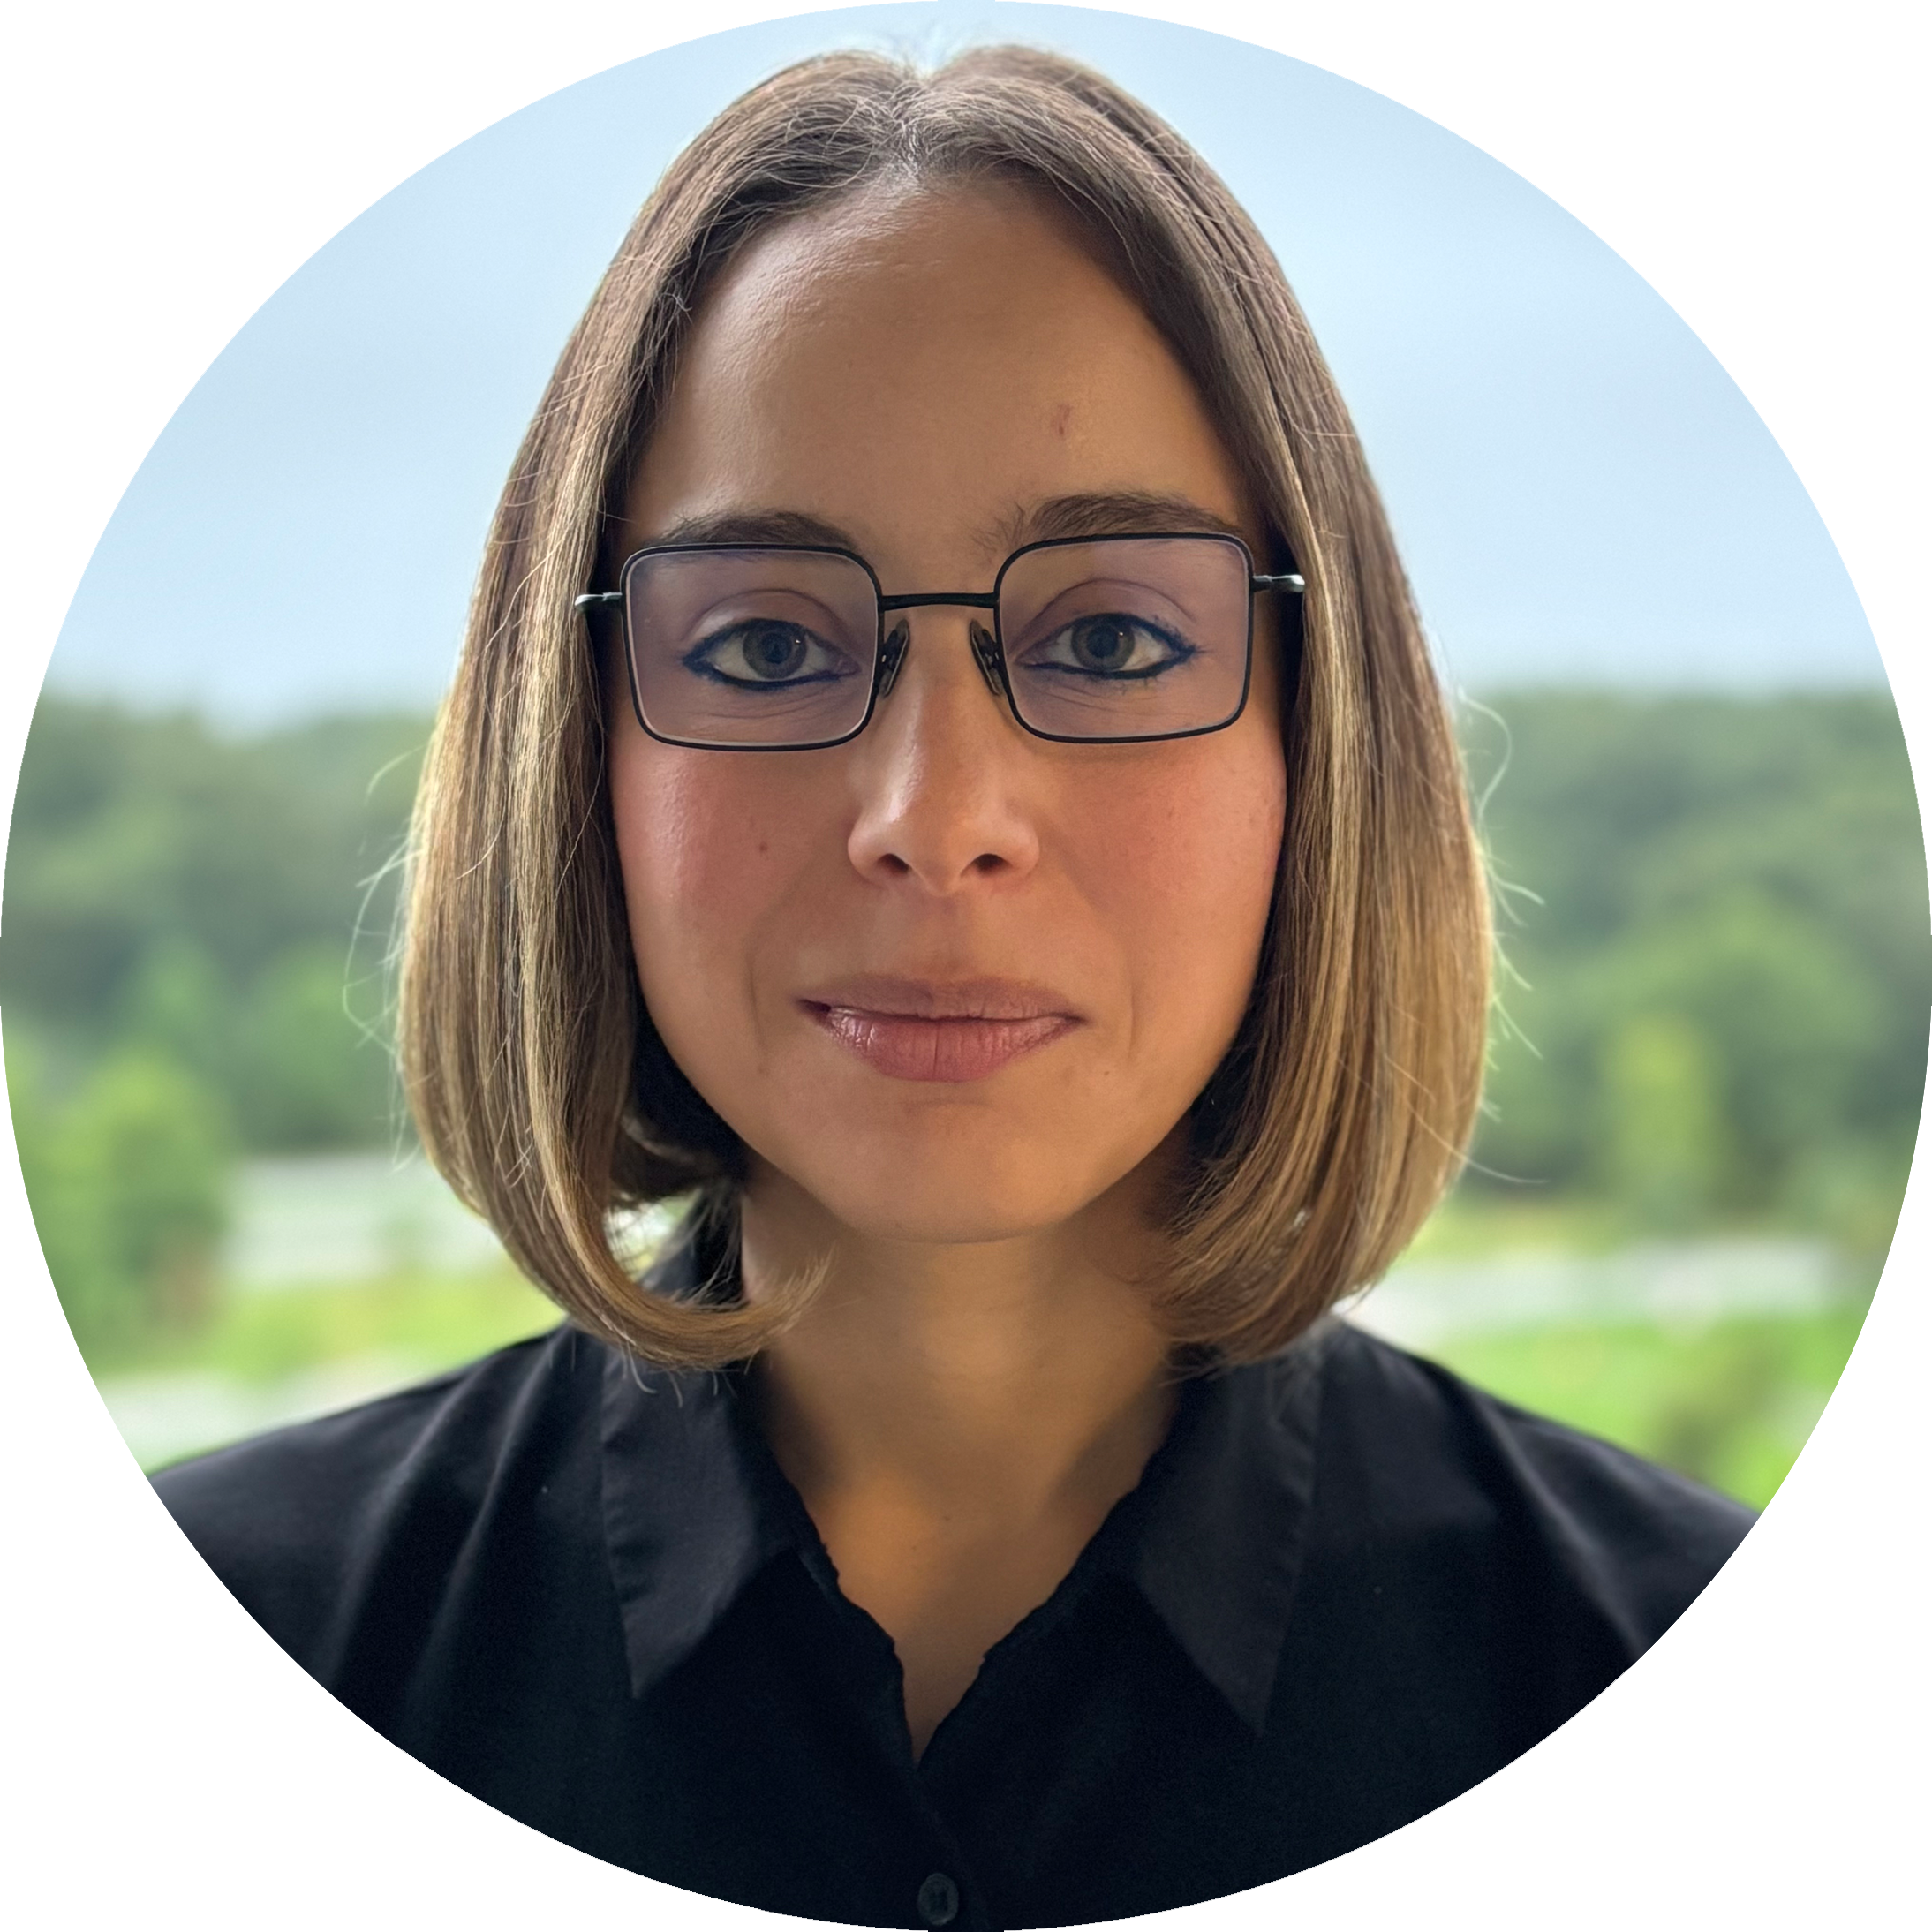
pixel 1581 495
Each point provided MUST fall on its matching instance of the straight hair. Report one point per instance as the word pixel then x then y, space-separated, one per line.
pixel 535 1075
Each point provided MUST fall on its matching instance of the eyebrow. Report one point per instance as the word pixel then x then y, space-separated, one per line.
pixel 1105 513
pixel 789 527
pixel 1102 513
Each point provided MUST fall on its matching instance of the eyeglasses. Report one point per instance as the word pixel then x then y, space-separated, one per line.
pixel 770 647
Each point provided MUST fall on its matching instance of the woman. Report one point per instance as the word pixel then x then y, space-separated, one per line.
pixel 945 774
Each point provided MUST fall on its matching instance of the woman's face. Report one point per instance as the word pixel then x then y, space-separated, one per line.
pixel 954 981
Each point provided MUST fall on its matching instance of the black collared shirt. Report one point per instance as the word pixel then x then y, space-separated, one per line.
pixel 1347 1587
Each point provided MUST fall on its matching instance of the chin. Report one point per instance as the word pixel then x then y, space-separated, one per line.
pixel 955 1195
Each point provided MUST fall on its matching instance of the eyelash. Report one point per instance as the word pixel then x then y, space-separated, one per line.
pixel 1178 648
pixel 700 660
pixel 697 659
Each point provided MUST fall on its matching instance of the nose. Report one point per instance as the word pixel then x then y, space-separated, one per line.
pixel 944 776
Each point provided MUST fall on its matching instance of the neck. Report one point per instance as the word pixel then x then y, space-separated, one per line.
pixel 1003 1376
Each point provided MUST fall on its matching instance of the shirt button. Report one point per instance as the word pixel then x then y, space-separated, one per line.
pixel 939 1901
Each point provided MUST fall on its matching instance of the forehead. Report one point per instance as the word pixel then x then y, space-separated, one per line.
pixel 920 367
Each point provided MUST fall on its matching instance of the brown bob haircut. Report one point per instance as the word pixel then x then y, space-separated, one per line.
pixel 536 1076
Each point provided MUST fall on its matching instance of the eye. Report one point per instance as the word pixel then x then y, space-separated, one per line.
pixel 768 651
pixel 1110 644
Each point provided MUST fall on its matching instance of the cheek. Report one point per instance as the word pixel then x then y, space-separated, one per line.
pixel 707 860
pixel 1189 868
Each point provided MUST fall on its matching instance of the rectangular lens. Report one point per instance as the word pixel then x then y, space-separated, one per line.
pixel 752 646
pixel 1127 637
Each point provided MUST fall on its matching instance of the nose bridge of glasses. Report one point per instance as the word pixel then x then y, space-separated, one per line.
pixel 896 641
pixel 969 600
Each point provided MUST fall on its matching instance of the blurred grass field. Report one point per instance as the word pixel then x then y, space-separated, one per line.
pixel 426 1321
pixel 1729 1399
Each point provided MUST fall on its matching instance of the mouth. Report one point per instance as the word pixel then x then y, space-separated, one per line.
pixel 953 1030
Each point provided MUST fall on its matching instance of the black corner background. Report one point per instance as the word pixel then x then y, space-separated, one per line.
pixel 139 1782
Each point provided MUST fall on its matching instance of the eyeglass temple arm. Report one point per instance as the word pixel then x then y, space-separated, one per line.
pixel 1290 581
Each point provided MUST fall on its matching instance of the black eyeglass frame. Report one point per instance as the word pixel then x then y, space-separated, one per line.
pixel 889 651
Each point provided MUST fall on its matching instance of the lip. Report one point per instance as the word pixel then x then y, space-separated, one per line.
pixel 951 1031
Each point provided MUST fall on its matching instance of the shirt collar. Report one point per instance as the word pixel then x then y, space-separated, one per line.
pixel 694 1506
pixel 1216 1530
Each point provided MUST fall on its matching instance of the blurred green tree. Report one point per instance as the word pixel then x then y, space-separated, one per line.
pixel 1749 870
pixel 313 1073
pixel 128 1183
pixel 1788 1019
pixel 175 998
pixel 1664 1154
pixel 216 899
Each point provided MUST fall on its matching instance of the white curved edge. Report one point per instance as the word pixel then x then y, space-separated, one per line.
pixel 79 1463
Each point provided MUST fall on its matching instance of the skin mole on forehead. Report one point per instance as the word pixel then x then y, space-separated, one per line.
pixel 1063 419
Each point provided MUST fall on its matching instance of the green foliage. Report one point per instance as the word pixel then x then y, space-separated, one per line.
pixel 1667 1148
pixel 128 1182
pixel 1715 916
pixel 223 903
pixel 309 1073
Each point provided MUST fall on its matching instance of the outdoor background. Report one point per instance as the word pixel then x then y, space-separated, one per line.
pixel 1710 1047
pixel 1705 1072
